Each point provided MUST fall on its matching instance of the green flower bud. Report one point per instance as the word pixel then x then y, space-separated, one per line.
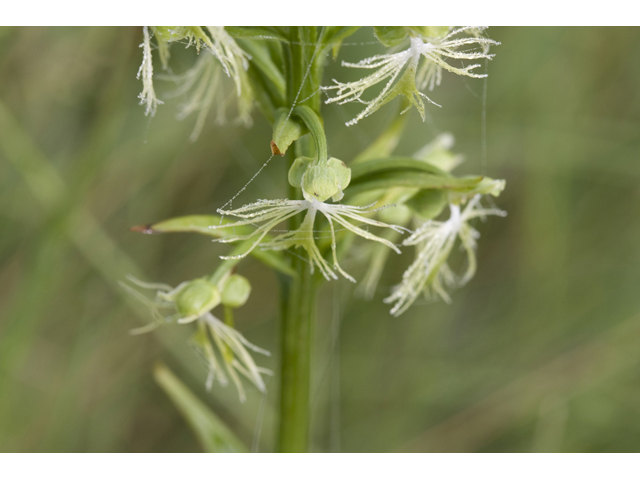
pixel 197 298
pixel 298 168
pixel 322 181
pixel 236 291
pixel 319 183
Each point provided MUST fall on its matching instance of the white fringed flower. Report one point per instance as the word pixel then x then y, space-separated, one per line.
pixel 436 52
pixel 204 89
pixel 234 60
pixel 202 84
pixel 266 214
pixel 430 273
pixel 192 302
pixel 232 347
pixel 148 95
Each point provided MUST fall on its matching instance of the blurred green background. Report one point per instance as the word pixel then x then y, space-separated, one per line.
pixel 539 352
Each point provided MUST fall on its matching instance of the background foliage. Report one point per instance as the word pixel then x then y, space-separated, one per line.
pixel 540 352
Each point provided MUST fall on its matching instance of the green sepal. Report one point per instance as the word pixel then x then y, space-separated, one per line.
pixel 212 434
pixel 298 168
pixel 390 36
pixel 286 130
pixel 258 33
pixel 428 203
pixel 406 87
pixel 236 291
pixel 487 186
pixel 343 176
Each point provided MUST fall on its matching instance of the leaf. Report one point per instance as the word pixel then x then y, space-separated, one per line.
pixel 412 179
pixel 360 171
pixel 212 434
pixel 261 58
pixel 189 223
pixel 200 224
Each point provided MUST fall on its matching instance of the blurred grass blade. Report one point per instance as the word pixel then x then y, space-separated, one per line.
pixel 212 434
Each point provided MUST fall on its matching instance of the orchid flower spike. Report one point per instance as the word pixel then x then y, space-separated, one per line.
pixel 434 240
pixel 435 46
pixel 318 184
pixel 193 302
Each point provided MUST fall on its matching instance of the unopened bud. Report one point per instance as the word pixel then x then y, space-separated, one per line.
pixel 197 298
pixel 319 183
pixel 235 292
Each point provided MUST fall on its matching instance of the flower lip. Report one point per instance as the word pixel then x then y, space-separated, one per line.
pixel 266 214
pixel 230 344
pixel 430 272
pixel 388 67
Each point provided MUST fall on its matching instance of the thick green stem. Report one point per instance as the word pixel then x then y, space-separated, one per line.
pixel 299 292
pixel 298 312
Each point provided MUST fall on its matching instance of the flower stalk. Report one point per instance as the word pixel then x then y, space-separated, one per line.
pixel 298 293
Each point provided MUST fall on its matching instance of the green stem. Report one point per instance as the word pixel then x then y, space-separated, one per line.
pixel 228 316
pixel 314 124
pixel 298 312
pixel 299 292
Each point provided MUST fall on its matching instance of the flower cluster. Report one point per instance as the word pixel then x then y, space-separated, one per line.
pixel 434 240
pixel 403 73
pixel 318 184
pixel 193 301
pixel 202 84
